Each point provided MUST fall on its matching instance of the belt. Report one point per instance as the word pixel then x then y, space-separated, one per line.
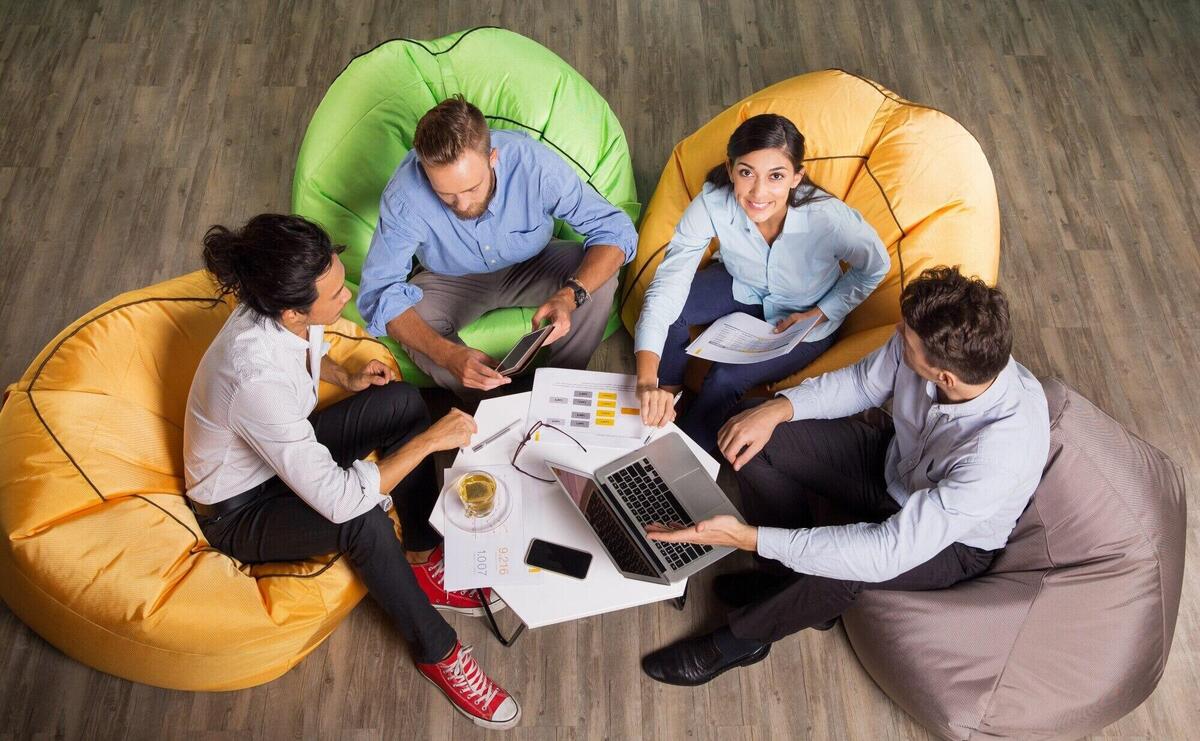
pixel 217 510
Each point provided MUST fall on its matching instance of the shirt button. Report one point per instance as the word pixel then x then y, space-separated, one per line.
pixel 487 247
pixel 493 262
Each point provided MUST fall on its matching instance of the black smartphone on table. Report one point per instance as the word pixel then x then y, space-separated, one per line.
pixel 520 356
pixel 558 558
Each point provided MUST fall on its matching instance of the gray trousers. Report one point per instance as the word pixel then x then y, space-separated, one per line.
pixel 450 302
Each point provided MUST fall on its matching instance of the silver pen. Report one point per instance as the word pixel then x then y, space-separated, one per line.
pixel 494 436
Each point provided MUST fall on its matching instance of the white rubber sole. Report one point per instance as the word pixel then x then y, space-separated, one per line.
pixel 496 604
pixel 490 725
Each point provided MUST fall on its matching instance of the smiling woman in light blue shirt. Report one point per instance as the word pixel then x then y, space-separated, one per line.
pixel 783 241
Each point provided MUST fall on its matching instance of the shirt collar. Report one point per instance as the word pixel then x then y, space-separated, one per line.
pixel 796 221
pixel 499 171
pixel 979 404
pixel 310 349
pixel 316 350
pixel 280 334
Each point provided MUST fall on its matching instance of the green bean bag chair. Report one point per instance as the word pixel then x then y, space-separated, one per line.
pixel 364 126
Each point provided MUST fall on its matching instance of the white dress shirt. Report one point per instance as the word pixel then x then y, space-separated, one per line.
pixel 247 420
pixel 960 472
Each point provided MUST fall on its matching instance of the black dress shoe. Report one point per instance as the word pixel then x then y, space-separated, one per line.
pixel 741 588
pixel 694 661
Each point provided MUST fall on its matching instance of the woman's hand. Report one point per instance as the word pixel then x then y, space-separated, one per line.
pixel 658 404
pixel 800 316
pixel 374 373
pixel 450 432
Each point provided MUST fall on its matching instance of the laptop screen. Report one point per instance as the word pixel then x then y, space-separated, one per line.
pixel 579 488
pixel 626 554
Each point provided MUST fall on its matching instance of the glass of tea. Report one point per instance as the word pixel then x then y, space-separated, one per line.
pixel 477 490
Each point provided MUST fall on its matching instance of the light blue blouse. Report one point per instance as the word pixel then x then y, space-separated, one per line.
pixel 799 271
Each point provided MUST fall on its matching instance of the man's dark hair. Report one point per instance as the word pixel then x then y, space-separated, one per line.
pixel 270 264
pixel 962 322
pixel 448 130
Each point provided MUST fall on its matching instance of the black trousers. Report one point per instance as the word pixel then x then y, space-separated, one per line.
pixel 842 462
pixel 279 526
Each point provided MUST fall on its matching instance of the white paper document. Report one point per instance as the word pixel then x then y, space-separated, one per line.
pixel 595 408
pixel 486 551
pixel 740 339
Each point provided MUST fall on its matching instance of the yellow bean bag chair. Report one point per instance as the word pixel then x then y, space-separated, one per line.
pixel 99 552
pixel 914 173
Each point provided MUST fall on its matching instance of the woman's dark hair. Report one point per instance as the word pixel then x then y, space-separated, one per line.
pixel 272 263
pixel 768 131
pixel 962 322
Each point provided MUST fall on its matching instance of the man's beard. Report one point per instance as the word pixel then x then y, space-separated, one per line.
pixel 477 211
pixel 474 213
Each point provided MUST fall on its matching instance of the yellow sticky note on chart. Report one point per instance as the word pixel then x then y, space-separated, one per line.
pixel 605 404
pixel 606 396
pixel 606 413
pixel 631 410
pixel 605 422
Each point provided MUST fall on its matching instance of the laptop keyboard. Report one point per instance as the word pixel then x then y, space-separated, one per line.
pixel 652 502
pixel 616 538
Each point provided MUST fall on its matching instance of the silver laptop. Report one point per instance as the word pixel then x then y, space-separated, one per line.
pixel 663 483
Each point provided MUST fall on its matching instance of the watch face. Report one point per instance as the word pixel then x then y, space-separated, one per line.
pixel 581 295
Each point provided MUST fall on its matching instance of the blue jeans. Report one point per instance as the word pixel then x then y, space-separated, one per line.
pixel 710 298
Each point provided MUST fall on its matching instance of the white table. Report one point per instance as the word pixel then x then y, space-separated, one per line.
pixel 552 517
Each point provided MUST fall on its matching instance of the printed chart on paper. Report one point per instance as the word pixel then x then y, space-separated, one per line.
pixel 595 408
pixel 741 339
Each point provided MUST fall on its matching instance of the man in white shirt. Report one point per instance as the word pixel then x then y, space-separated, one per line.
pixel 936 493
pixel 271 480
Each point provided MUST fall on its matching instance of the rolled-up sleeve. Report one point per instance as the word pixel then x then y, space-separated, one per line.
pixel 567 197
pixel 672 282
pixel 385 292
pixel 846 391
pixel 858 245
pixel 930 521
pixel 268 416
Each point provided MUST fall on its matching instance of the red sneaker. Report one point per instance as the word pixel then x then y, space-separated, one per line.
pixel 429 576
pixel 471 691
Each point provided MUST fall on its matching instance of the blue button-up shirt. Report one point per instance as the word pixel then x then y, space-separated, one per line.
pixel 798 272
pixel 534 186
pixel 961 473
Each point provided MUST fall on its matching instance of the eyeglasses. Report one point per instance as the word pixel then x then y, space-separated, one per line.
pixel 529 436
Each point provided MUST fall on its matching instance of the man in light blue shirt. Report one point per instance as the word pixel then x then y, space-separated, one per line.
pixel 936 493
pixel 476 207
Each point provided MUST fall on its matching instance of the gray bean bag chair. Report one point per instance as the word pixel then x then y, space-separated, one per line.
pixel 1070 628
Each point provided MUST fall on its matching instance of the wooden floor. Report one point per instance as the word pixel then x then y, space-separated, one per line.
pixel 126 128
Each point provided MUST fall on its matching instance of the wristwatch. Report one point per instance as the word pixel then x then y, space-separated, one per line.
pixel 581 294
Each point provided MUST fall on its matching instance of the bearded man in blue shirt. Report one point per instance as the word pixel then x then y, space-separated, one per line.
pixel 936 492
pixel 476 207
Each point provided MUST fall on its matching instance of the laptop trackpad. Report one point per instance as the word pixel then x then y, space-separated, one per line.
pixel 701 496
